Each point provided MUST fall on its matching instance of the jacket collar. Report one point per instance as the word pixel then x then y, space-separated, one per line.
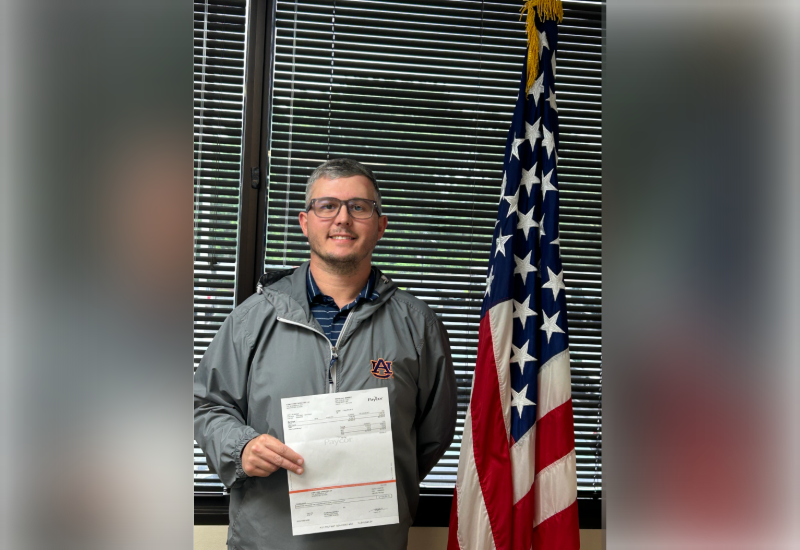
pixel 290 298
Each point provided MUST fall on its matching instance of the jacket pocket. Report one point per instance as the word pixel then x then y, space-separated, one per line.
pixel 233 533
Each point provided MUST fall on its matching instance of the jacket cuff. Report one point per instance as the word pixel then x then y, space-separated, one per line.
pixel 248 435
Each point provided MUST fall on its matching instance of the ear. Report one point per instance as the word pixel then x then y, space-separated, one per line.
pixel 382 222
pixel 303 218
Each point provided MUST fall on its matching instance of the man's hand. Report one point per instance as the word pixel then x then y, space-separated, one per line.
pixel 265 454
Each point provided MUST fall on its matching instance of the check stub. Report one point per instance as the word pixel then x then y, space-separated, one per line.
pixel 349 478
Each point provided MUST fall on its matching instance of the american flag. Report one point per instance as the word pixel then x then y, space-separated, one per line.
pixel 517 487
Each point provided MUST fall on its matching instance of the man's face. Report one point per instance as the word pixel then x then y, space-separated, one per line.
pixel 343 243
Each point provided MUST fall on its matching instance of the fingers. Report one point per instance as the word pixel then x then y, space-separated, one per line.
pixel 280 448
pixel 263 455
pixel 282 462
pixel 258 471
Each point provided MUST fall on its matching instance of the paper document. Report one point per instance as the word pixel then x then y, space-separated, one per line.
pixel 349 478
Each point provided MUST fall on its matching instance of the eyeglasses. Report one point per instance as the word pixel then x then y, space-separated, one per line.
pixel 329 207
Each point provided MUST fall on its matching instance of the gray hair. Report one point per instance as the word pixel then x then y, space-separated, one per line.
pixel 341 168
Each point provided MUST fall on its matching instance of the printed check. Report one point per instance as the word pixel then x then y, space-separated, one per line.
pixel 349 480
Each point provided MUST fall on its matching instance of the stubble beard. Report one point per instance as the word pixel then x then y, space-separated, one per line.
pixel 338 265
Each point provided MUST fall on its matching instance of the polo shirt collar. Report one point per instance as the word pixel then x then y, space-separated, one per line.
pixel 315 295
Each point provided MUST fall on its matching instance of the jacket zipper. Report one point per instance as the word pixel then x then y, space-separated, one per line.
pixel 334 349
pixel 335 354
pixel 312 329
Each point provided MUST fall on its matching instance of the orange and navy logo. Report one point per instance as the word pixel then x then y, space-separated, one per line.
pixel 381 369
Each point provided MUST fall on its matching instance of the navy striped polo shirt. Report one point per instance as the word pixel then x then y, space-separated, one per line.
pixel 327 313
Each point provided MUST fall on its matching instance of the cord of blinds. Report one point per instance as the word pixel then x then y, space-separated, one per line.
pixel 423 92
pixel 219 65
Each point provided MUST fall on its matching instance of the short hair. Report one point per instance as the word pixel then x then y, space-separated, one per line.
pixel 341 168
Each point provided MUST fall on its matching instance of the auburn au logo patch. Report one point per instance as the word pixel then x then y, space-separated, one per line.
pixel 381 369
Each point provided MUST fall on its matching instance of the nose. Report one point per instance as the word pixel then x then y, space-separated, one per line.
pixel 343 216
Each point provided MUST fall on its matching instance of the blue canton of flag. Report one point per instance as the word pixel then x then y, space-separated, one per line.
pixel 525 263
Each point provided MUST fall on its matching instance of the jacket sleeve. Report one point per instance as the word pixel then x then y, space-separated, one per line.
pixel 220 400
pixel 436 399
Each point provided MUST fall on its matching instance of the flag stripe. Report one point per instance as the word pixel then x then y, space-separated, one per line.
pixel 501 322
pixel 521 515
pixel 555 488
pixel 559 532
pixel 452 535
pixel 490 446
pixel 556 429
pixel 554 383
pixel 522 466
pixel 472 529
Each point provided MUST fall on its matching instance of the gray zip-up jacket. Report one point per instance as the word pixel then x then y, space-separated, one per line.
pixel 271 347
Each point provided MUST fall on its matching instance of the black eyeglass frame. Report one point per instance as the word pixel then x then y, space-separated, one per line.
pixel 375 207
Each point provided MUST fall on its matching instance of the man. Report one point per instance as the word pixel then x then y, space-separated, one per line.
pixel 320 329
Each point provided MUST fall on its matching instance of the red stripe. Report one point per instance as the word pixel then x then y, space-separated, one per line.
pixel 452 536
pixel 489 441
pixel 522 520
pixel 559 532
pixel 555 435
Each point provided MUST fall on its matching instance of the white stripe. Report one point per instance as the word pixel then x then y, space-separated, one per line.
pixel 474 529
pixel 554 384
pixel 556 488
pixel 523 463
pixel 501 325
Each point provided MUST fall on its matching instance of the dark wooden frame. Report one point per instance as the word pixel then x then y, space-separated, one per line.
pixel 255 157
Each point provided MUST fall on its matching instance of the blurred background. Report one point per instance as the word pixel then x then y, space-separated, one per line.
pixel 96 330
pixel 700 242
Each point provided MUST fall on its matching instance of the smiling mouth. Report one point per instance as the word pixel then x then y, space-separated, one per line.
pixel 342 237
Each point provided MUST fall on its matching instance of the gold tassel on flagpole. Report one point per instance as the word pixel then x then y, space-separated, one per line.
pixel 546 10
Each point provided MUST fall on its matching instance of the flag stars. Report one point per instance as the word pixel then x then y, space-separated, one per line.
pixel 541 228
pixel 529 178
pixel 543 43
pixel 555 283
pixel 532 132
pixel 548 142
pixel 501 243
pixel 520 356
pixel 489 279
pixel 520 400
pixel 526 221
pixel 546 185
pixel 513 200
pixel 550 325
pixel 503 187
pixel 524 267
pixel 553 63
pixel 515 147
pixel 552 100
pixel 522 311
pixel 536 89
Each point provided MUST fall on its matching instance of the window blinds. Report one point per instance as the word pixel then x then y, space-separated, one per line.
pixel 219 66
pixel 423 92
